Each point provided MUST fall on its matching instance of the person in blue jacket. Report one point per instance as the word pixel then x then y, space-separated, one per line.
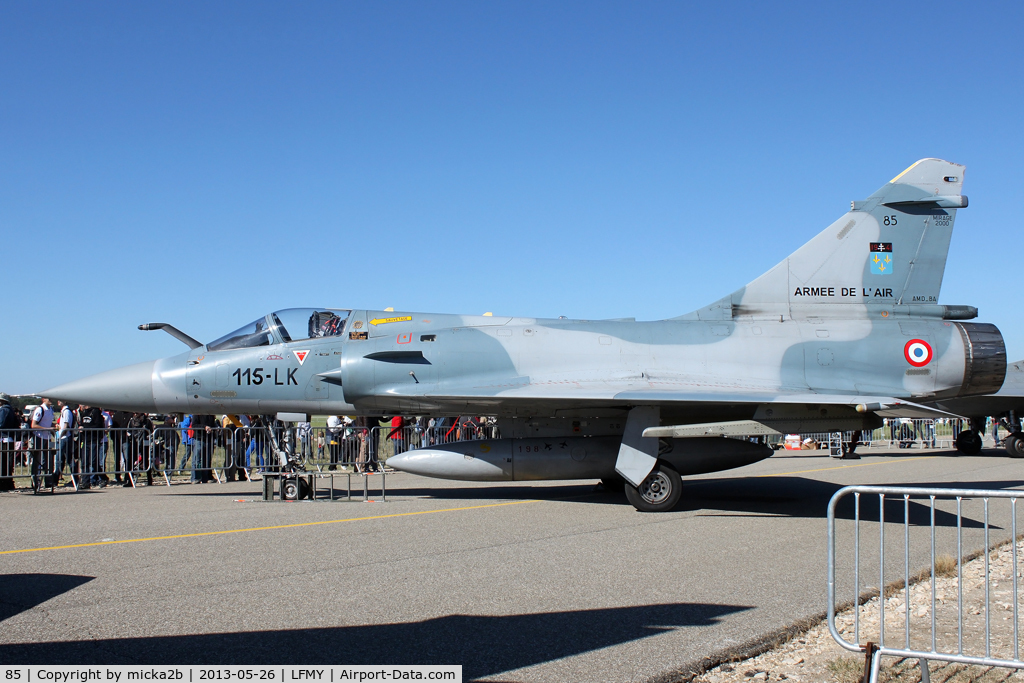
pixel 186 440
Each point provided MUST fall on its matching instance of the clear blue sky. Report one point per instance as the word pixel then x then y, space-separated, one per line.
pixel 204 163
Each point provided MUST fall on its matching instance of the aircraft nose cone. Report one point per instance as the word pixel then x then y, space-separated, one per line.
pixel 128 388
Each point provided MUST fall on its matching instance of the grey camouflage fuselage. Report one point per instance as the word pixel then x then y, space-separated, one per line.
pixel 845 330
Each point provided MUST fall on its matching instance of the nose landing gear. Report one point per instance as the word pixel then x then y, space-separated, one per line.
pixel 294 488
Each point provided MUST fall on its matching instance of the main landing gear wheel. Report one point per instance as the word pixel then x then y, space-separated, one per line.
pixel 659 492
pixel 968 442
pixel 1014 444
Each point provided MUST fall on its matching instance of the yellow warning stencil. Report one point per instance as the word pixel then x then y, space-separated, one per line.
pixel 381 321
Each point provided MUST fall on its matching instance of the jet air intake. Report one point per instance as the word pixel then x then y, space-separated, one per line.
pixel 984 359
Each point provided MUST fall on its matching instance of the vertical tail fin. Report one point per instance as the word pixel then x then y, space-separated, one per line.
pixel 889 249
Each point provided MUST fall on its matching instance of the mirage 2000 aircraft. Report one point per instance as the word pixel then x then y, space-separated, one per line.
pixel 844 331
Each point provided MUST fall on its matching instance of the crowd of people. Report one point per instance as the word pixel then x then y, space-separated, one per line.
pixel 353 441
pixel 53 440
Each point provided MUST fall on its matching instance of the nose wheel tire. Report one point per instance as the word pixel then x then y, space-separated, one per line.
pixel 968 442
pixel 294 489
pixel 659 492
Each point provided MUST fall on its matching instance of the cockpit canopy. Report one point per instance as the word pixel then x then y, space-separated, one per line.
pixel 287 325
pixel 296 324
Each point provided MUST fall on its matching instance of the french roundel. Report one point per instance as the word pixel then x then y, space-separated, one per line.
pixel 918 352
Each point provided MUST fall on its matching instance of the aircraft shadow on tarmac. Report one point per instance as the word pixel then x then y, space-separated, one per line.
pixel 22 592
pixel 497 492
pixel 792 496
pixel 778 496
pixel 808 498
pixel 484 645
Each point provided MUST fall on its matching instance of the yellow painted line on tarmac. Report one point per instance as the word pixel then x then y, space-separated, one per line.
pixel 845 467
pixel 401 514
pixel 268 528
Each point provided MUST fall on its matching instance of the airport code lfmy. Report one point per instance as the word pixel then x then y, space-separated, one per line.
pixel 122 673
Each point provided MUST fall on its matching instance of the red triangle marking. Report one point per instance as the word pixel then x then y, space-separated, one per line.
pixel 301 355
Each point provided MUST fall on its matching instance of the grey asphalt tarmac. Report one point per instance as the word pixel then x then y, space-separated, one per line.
pixel 520 582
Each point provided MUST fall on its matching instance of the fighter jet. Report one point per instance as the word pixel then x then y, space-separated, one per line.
pixel 843 332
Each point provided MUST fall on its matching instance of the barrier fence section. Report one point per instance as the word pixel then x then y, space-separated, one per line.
pixel 903 433
pixel 123 455
pixel 104 456
pixel 933 627
pixel 88 456
pixel 360 448
pixel 23 453
pixel 928 433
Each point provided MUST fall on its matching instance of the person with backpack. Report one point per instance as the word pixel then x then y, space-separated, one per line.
pixel 10 424
pixel 257 436
pixel 119 444
pixel 185 425
pixel 165 444
pixel 90 444
pixel 138 437
pixel 41 455
pixel 203 443
pixel 65 455
pixel 335 431
pixel 232 456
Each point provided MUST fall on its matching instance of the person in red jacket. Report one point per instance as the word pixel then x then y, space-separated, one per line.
pixel 397 434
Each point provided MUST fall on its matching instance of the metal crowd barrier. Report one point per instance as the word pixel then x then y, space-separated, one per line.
pixel 359 448
pixel 920 543
pixel 926 433
pixel 897 433
pixel 89 456
pixel 348 448
pixel 23 454
pixel 191 451
pixel 86 455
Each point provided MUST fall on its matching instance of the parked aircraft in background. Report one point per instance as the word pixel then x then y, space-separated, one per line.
pixel 843 332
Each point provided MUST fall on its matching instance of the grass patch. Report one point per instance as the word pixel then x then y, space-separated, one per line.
pixel 851 669
pixel 846 669
pixel 945 565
